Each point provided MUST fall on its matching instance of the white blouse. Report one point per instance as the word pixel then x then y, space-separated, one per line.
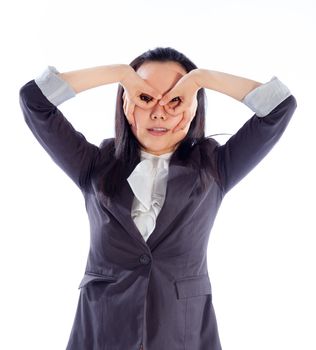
pixel 149 184
pixel 149 178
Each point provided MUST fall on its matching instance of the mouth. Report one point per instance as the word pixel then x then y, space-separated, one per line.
pixel 158 131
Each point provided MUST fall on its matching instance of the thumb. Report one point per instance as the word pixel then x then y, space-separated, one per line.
pixel 151 92
pixel 175 92
pixel 166 98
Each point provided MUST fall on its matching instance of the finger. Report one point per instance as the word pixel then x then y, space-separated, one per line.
pixel 169 110
pixel 132 117
pixel 145 104
pixel 195 106
pixel 183 122
pixel 147 89
pixel 176 110
pixel 124 106
pixel 168 97
pixel 187 118
pixel 176 128
pixel 130 113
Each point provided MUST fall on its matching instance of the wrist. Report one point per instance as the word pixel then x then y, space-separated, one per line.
pixel 197 76
pixel 125 70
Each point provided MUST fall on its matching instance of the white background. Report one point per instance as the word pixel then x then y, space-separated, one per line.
pixel 262 247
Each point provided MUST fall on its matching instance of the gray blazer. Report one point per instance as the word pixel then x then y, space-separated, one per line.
pixel 155 294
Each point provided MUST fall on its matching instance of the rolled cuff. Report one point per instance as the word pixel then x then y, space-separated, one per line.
pixel 263 99
pixel 55 89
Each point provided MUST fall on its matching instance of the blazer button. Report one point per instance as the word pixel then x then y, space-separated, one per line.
pixel 144 259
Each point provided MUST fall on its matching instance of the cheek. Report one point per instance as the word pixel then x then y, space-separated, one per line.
pixel 142 119
pixel 141 116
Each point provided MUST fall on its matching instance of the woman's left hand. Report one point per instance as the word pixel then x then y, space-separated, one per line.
pixel 186 90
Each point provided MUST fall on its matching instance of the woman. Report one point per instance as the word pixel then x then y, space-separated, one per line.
pixel 152 194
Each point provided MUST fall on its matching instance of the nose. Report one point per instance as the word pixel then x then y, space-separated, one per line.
pixel 158 112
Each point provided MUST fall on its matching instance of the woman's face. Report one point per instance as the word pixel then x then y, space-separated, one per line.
pixel 162 76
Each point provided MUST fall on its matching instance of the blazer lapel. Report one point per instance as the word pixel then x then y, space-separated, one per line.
pixel 180 183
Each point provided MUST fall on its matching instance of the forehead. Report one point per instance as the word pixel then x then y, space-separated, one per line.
pixel 161 75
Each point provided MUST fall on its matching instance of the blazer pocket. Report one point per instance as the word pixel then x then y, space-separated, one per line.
pixel 90 277
pixel 193 286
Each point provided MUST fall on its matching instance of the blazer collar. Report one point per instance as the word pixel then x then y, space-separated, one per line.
pixel 180 183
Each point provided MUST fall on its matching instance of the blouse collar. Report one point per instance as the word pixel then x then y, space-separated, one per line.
pixel 149 177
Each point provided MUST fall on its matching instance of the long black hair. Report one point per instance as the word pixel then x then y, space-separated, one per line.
pixel 126 148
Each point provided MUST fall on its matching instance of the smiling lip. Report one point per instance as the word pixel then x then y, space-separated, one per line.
pixel 157 133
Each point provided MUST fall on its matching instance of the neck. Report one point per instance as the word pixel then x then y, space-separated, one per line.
pixel 160 152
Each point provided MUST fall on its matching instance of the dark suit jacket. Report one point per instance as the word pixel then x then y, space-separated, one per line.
pixel 156 293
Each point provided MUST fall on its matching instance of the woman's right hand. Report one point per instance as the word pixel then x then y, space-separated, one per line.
pixel 137 92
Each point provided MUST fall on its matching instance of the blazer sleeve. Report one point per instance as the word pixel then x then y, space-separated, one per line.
pixel 274 106
pixel 67 147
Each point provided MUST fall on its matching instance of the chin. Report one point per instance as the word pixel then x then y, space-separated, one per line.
pixel 158 149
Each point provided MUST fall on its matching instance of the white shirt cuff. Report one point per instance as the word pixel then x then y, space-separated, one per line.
pixel 263 99
pixel 55 89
